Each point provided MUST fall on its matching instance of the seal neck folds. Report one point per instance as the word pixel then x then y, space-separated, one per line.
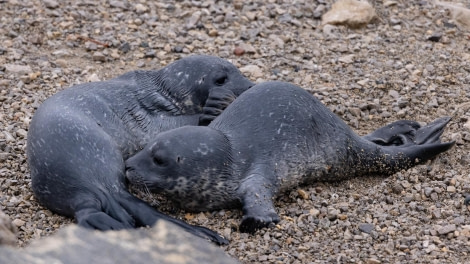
pixel 154 94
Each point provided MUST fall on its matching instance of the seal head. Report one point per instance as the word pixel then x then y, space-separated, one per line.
pixel 194 170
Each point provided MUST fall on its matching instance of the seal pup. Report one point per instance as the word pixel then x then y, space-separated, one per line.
pixel 273 137
pixel 79 138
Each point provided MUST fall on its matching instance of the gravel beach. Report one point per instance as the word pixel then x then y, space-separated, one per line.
pixel 411 62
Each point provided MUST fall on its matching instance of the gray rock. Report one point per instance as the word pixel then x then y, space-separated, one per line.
pixel 351 13
pixel 164 243
pixel 98 56
pixel 119 4
pixel 16 68
pixel 446 229
pixel 366 228
pixel 319 10
pixel 51 4
pixel 428 191
pixel 193 20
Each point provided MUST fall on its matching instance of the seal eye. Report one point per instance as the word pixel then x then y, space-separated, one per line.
pixel 221 80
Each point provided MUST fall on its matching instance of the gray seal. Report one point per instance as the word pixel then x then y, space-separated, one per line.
pixel 274 137
pixel 79 138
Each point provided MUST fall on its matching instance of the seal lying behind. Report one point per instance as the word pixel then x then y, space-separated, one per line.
pixel 273 137
pixel 79 138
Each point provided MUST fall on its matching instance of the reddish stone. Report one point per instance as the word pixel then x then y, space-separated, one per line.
pixel 238 51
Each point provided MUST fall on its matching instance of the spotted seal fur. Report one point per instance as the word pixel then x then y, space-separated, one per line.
pixel 273 137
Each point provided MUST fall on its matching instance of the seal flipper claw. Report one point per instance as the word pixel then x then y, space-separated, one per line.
pixel 252 223
pixel 218 100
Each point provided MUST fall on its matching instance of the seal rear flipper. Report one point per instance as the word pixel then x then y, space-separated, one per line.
pixel 258 208
pixel 432 132
pixel 397 133
pixel 426 144
pixel 405 132
pixel 146 215
pixel 421 153
pixel 219 99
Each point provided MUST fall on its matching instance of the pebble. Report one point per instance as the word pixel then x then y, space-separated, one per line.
pixel 16 68
pixel 351 13
pixel 397 188
pixel 319 11
pixel 21 133
pixel 93 78
pixel 446 229
pixel 373 261
pixel 366 228
pixel 50 4
pixel 125 47
pixel 314 212
pixel 18 222
pixel 247 48
pixel 140 8
pixel 252 70
pixel 98 56
pixel 347 59
pixel 238 51
pixel 303 194
pixel 193 20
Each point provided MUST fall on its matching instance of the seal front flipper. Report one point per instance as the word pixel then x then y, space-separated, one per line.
pixel 101 210
pixel 257 200
pixel 145 215
pixel 218 100
pixel 95 219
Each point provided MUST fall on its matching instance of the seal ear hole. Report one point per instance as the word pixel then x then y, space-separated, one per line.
pixel 178 159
